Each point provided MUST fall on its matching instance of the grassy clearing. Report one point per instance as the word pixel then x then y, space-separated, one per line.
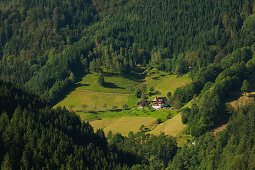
pixel 164 83
pixel 125 125
pixel 118 90
pixel 89 96
pixel 114 83
pixel 170 127
pixel 162 114
pixel 93 101
pixel 243 100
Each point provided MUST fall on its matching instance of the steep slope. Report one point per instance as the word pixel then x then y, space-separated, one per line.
pixel 170 127
pixel 38 137
pixel 57 41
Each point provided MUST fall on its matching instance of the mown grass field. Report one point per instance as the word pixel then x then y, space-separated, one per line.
pixel 89 96
pixel 170 127
pixel 93 101
pixel 124 125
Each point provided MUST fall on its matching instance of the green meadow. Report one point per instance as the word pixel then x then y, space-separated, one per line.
pixel 114 83
pixel 102 106
pixel 118 90
pixel 164 83
pixel 89 96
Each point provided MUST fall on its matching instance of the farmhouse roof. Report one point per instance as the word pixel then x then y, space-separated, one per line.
pixel 155 99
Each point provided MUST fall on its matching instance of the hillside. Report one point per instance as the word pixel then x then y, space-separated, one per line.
pixel 119 90
pixel 97 58
pixel 35 136
pixel 89 96
pixel 92 101
pixel 171 127
pixel 53 41
pixel 124 125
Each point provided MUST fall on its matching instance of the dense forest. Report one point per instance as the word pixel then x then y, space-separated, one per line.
pixel 34 136
pixel 45 46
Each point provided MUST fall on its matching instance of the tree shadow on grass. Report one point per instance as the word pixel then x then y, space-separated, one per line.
pixel 81 85
pixel 155 93
pixel 131 76
pixel 112 85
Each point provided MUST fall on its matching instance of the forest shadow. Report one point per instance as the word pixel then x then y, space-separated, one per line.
pixel 233 96
pixel 68 90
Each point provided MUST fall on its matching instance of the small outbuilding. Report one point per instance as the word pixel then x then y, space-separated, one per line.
pixel 142 103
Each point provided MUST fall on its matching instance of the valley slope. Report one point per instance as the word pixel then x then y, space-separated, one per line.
pixel 92 101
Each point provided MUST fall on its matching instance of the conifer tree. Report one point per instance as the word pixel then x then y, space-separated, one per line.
pixel 100 79
pixel 245 87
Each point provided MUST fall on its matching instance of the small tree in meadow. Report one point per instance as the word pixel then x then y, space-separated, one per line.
pixel 125 106
pixel 144 89
pixel 159 121
pixel 138 93
pixel 169 95
pixel 151 91
pixel 100 79
pixel 169 99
